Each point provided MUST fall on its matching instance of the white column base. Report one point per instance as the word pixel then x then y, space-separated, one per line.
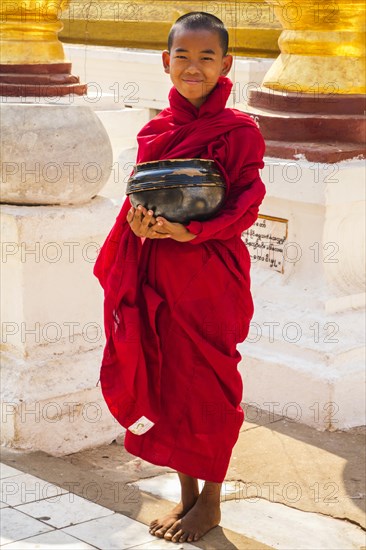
pixel 55 406
pixel 52 327
pixel 305 354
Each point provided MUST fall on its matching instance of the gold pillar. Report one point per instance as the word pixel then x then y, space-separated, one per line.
pixel 32 59
pixel 312 99
pixel 28 31
pixel 322 47
pixel 145 24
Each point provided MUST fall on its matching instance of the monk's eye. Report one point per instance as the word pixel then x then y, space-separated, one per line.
pixel 207 58
pixel 180 57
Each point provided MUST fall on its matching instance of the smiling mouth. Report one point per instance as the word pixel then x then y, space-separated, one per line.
pixel 192 81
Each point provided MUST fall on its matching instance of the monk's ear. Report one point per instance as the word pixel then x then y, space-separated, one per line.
pixel 226 64
pixel 166 61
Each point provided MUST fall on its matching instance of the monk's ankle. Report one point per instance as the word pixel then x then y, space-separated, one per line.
pixel 189 490
pixel 189 500
pixel 211 494
pixel 189 497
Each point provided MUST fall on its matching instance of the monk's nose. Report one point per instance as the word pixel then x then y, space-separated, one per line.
pixel 192 69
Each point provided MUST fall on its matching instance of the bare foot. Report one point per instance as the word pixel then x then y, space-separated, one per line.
pixel 201 518
pixel 159 527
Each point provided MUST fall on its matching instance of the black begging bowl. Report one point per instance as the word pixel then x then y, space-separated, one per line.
pixel 180 190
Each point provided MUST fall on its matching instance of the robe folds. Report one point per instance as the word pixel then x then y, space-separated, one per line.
pixel 174 312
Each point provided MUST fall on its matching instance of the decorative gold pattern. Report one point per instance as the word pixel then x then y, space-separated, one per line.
pixel 322 47
pixel 28 31
pixel 144 24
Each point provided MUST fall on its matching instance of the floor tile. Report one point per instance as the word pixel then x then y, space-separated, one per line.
pixel 167 486
pixel 54 540
pixel 16 526
pixel 25 488
pixel 115 532
pixel 68 509
pixel 8 471
pixel 163 545
pixel 268 522
pixel 248 426
pixel 3 504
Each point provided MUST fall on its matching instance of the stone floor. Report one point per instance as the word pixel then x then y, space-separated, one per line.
pixel 289 487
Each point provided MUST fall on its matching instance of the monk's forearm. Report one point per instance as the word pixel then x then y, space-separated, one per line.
pixel 184 238
pixel 176 231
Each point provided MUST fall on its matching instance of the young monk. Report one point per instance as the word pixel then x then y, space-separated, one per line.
pixel 177 296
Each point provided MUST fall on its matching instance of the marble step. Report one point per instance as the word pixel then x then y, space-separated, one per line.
pixel 271 523
pixel 125 510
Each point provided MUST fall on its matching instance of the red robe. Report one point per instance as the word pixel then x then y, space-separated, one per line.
pixel 175 312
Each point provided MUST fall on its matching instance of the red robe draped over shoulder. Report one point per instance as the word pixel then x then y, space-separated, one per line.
pixel 175 312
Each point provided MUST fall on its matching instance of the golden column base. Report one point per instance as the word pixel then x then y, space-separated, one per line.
pixel 322 47
pixel 32 59
pixel 319 128
pixel 145 24
pixel 28 31
pixel 312 99
pixel 39 80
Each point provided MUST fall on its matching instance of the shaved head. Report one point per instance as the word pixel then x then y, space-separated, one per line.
pixel 197 20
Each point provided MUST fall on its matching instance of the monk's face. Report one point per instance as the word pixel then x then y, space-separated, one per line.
pixel 195 63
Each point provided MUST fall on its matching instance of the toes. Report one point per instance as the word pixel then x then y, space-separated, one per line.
pixel 161 532
pixel 184 537
pixel 177 536
pixel 172 530
pixel 190 537
pixel 154 530
pixel 169 534
pixel 154 523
